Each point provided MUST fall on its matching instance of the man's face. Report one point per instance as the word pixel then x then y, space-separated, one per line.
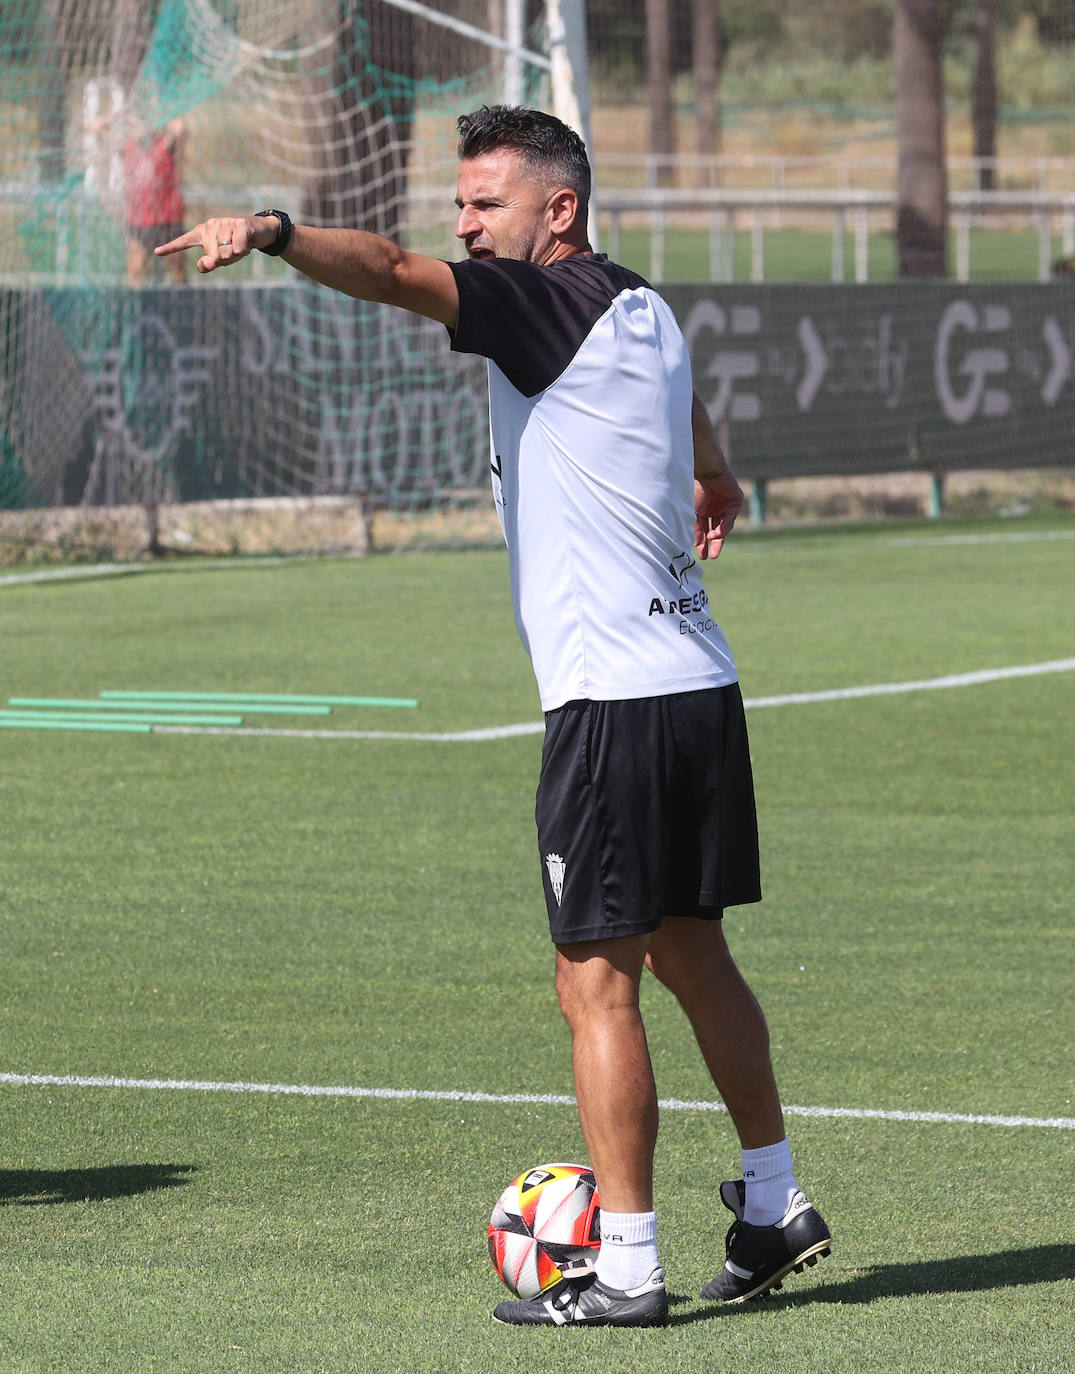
pixel 503 211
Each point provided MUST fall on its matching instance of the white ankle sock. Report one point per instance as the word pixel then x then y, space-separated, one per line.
pixel 770 1181
pixel 628 1254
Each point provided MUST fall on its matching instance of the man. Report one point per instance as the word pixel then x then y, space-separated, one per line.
pixel 645 807
pixel 154 199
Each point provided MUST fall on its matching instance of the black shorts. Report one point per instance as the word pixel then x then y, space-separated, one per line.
pixel 645 809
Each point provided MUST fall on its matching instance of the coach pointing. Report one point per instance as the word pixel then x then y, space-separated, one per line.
pixel 608 484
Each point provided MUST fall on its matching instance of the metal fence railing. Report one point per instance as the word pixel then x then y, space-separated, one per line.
pixel 725 209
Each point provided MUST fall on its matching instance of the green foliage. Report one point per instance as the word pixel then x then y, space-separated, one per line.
pixel 1053 18
pixel 745 22
pixel 839 51
pixel 1032 73
pixel 860 83
pixel 839 29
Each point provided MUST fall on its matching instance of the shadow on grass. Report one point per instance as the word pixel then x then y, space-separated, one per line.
pixel 33 1187
pixel 960 1274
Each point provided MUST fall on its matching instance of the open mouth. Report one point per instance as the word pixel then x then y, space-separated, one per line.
pixel 481 254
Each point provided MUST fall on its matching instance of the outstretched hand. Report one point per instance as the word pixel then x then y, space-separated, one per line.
pixel 223 241
pixel 718 499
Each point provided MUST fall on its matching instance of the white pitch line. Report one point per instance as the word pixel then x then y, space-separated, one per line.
pixel 671 1104
pixel 755 541
pixel 929 684
pixel 926 541
pixel 454 737
pixel 78 571
pixel 932 684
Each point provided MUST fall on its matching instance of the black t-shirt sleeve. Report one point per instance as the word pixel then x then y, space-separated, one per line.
pixel 531 320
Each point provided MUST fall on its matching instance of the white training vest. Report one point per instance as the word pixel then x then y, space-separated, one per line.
pixel 593 476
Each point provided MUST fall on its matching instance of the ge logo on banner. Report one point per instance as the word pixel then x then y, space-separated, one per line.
pixel 962 380
pixel 727 366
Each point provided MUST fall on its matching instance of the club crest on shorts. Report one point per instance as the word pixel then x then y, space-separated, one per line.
pixel 555 865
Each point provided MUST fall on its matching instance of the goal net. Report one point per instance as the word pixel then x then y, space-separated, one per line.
pixel 125 380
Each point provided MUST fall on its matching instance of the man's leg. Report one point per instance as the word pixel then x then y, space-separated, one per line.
pixel 597 984
pixel 137 263
pixel 776 1228
pixel 692 959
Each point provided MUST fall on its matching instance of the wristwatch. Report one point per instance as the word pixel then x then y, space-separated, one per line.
pixel 282 241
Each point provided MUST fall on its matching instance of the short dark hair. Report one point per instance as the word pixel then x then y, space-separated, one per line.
pixel 548 146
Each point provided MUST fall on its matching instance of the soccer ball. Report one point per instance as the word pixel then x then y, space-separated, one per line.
pixel 546 1225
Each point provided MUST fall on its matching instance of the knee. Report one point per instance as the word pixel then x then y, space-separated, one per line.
pixel 566 993
pixel 692 967
pixel 589 992
pixel 579 995
pixel 677 970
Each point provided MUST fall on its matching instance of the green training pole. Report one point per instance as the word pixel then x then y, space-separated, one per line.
pixel 282 698
pixel 146 717
pixel 67 723
pixel 164 702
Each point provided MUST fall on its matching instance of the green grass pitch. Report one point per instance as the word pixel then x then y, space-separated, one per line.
pixel 366 913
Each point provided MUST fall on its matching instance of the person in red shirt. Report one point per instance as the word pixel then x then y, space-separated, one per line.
pixel 154 199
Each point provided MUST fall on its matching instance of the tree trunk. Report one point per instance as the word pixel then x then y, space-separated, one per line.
pixel 358 148
pixel 707 55
pixel 132 29
pixel 659 86
pixel 984 106
pixel 52 101
pixel 922 194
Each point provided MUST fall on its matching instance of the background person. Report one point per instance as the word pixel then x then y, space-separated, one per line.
pixel 153 197
pixel 607 480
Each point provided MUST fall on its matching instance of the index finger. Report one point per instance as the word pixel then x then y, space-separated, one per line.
pixel 191 239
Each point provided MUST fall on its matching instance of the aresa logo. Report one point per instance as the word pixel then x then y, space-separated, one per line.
pixel 680 605
pixel 681 565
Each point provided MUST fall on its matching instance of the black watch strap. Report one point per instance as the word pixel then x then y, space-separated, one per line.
pixel 282 241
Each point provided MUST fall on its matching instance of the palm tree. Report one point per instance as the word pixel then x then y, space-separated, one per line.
pixel 659 86
pixel 984 102
pixel 922 193
pixel 52 101
pixel 707 57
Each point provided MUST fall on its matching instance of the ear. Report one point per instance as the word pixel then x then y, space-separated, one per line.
pixel 563 210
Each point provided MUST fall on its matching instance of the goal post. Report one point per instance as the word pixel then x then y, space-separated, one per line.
pixel 570 82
